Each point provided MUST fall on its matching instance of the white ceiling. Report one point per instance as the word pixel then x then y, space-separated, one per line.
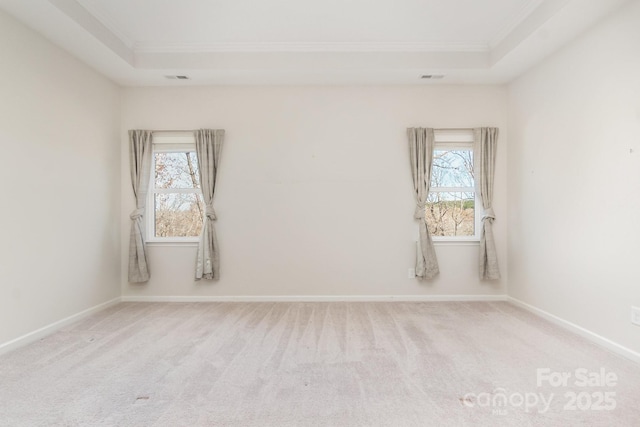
pixel 139 42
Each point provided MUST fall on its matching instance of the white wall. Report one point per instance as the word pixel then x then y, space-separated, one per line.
pixel 574 181
pixel 59 168
pixel 314 193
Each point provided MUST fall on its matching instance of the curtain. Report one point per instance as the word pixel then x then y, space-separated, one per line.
pixel 208 147
pixel 486 140
pixel 140 164
pixel 421 157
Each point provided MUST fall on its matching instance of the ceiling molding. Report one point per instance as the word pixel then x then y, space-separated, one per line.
pixel 92 24
pixel 514 22
pixel 552 24
pixel 313 61
pixel 309 47
pixel 536 19
pixel 107 21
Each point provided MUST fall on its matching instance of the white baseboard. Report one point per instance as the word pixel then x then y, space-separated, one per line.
pixel 591 336
pixel 51 328
pixel 314 298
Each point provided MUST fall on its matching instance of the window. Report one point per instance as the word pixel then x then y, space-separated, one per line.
pixel 450 210
pixel 175 201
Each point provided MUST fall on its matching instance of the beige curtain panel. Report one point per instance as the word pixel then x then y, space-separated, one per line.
pixel 486 143
pixel 140 164
pixel 208 147
pixel 421 142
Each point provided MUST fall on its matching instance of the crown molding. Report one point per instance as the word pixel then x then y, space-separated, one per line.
pixel 536 19
pixel 516 20
pixel 306 62
pixel 95 26
pixel 312 47
pixel 107 21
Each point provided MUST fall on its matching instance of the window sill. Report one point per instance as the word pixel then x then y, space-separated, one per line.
pixel 186 243
pixel 461 242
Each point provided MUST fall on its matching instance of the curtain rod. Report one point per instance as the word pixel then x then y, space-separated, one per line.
pixel 453 129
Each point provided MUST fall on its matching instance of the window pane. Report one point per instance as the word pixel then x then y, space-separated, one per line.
pixel 178 215
pixel 177 170
pixel 451 214
pixel 452 168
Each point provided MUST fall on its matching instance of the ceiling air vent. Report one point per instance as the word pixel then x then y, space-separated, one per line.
pixel 177 77
pixel 432 76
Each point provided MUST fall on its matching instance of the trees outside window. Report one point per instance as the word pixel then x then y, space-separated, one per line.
pixel 450 209
pixel 178 207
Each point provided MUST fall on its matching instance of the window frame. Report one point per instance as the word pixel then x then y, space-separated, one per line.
pixel 174 143
pixel 460 140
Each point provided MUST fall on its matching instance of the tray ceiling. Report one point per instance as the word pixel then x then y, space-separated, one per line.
pixel 140 42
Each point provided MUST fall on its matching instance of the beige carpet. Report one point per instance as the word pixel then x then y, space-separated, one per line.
pixel 311 364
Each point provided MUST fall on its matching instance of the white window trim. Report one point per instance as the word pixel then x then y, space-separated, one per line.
pixel 168 143
pixel 461 140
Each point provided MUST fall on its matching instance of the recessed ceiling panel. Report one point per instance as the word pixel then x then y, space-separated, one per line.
pixel 470 22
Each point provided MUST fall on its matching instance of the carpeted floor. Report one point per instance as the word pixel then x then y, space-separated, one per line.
pixel 316 364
